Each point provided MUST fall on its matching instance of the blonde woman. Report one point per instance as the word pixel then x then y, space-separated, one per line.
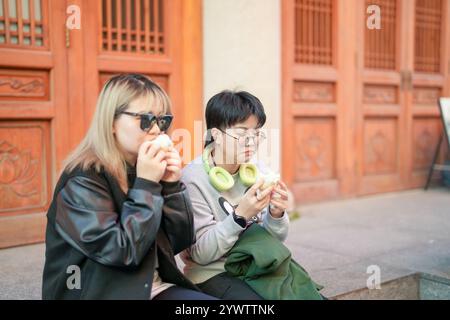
pixel 119 212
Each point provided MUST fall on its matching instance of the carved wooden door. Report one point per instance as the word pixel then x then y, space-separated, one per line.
pixel 381 111
pixel 360 109
pixel 50 77
pixel 33 114
pixel 402 70
pixel 318 91
pixel 429 64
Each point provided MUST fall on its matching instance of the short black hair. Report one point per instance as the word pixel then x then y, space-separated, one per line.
pixel 227 108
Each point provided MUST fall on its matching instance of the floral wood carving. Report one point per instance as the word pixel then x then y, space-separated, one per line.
pixel 17 170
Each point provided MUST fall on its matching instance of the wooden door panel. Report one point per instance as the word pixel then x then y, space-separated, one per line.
pixel 135 26
pixel 380 110
pixel 25 165
pixel 380 165
pixel 310 101
pixel 315 142
pixel 426 132
pixel 24 85
pixel 380 146
pixel 162 81
pixel 25 180
pixel 315 158
pixel 428 31
pixel 429 64
pixel 24 24
pixel 360 109
pixel 33 118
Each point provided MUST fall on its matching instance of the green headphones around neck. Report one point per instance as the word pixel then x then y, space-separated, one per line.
pixel 222 180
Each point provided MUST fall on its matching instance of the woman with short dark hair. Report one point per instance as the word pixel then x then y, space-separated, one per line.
pixel 225 193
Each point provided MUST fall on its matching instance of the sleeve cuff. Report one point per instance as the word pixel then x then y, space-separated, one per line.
pixel 271 218
pixel 232 226
pixel 147 185
pixel 170 187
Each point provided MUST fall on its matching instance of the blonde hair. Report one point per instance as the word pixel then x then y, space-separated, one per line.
pixel 99 148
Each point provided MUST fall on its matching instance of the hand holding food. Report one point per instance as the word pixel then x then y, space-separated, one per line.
pixel 150 162
pixel 173 159
pixel 279 200
pixel 254 200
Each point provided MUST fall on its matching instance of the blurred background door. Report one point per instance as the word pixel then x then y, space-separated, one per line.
pixel 311 117
pixel 402 70
pixel 429 64
pixel 381 111
pixel 360 112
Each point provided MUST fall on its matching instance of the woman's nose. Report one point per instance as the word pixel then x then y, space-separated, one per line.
pixel 155 130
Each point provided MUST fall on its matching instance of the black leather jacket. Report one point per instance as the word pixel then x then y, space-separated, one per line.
pixel 114 238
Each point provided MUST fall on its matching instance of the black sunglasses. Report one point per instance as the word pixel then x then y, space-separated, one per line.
pixel 149 119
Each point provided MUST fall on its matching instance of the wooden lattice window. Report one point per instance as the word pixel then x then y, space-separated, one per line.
pixel 380 44
pixel 313 31
pixel 428 35
pixel 22 23
pixel 133 26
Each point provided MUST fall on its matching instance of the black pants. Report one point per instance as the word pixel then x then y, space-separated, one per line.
pixel 224 286
pixel 180 293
